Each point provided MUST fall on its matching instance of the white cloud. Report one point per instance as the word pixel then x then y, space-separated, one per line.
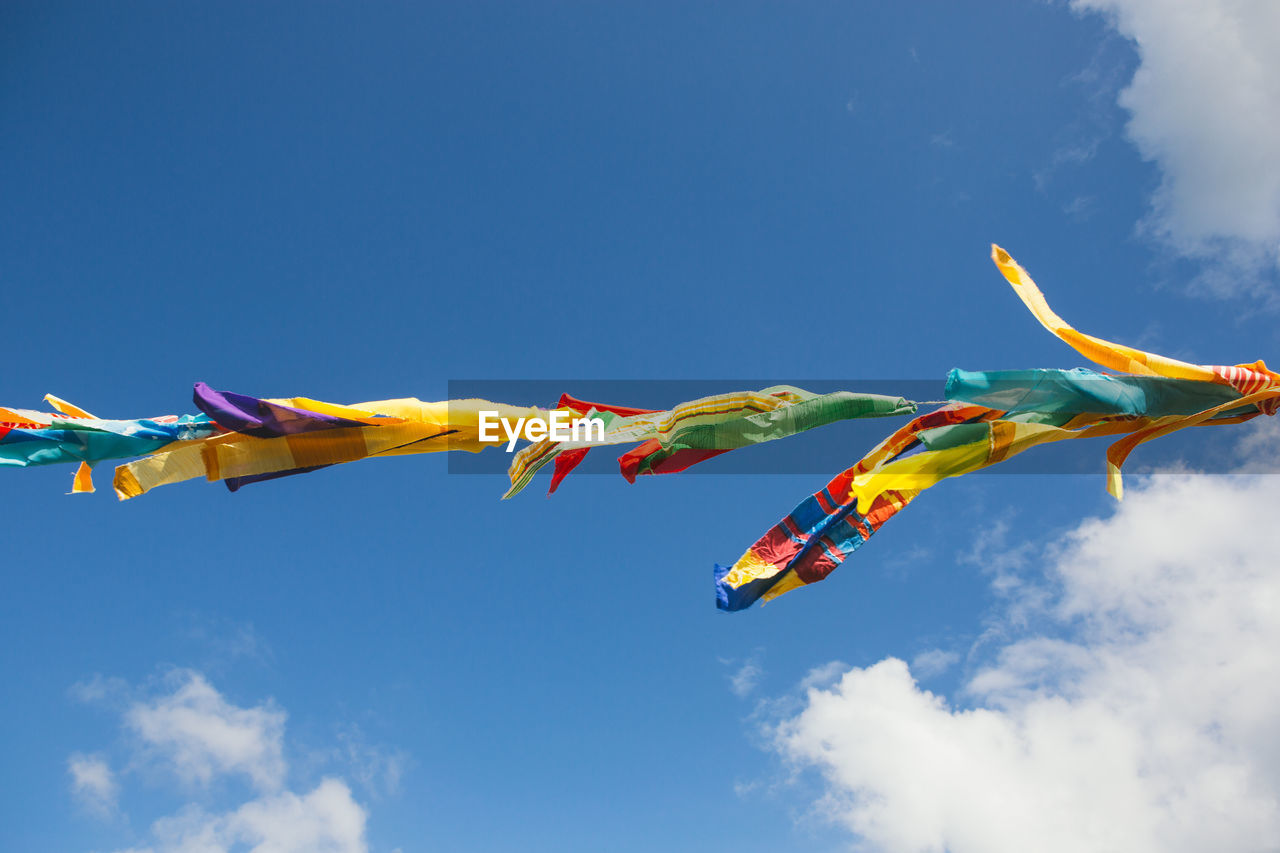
pixel 376 768
pixel 745 678
pixel 822 676
pixel 933 662
pixel 1140 715
pixel 93 783
pixel 227 641
pixel 193 731
pixel 198 734
pixel 1204 105
pixel 1081 207
pixel 326 820
pixel 99 690
pixel 1259 447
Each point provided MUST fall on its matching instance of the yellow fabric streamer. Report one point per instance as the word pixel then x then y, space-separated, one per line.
pixel 1119 452
pixel 66 408
pixel 82 484
pixel 1246 378
pixel 1004 439
pixel 1259 385
pixel 391 428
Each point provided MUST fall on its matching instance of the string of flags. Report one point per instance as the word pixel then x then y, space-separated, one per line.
pixel 986 418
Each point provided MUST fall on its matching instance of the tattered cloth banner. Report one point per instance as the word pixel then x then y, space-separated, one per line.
pixel 1040 406
pixel 1253 380
pixel 988 417
pixel 650 457
pixel 276 438
pixel 721 422
pixel 71 435
pixel 825 528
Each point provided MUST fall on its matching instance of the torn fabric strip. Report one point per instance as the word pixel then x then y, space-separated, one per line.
pixel 721 422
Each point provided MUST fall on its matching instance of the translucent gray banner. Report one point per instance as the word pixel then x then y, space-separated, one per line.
pixel 827 450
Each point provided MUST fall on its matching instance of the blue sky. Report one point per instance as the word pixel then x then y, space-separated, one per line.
pixel 355 203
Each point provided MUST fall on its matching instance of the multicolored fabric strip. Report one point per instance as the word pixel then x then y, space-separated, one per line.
pixel 648 458
pixel 992 417
pixel 567 460
pixel 721 422
pixel 73 435
pixel 1081 391
pixel 298 435
pixel 265 418
pixel 678 452
pixel 629 429
pixel 825 528
pixel 652 458
pixel 1245 378
pixel 1254 380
